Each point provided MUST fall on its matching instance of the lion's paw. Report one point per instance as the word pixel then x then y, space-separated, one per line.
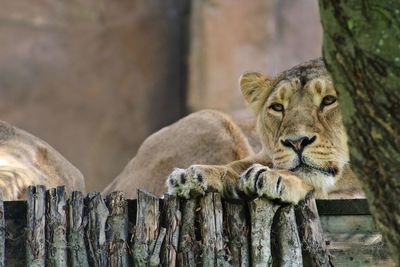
pixel 261 181
pixel 186 183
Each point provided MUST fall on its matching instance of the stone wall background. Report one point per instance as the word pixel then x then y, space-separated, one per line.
pixel 95 78
pixel 231 37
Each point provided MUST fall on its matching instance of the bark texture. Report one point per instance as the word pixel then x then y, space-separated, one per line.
pixel 315 253
pixel 262 213
pixel 56 227
pixel 237 232
pixel 77 221
pixel 213 253
pixel 36 221
pixel 172 218
pixel 362 52
pixel 117 229
pixel 147 237
pixel 97 214
pixel 287 239
pixel 189 249
pixel 2 231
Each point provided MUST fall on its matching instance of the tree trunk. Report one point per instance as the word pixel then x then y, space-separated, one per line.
pixel 362 53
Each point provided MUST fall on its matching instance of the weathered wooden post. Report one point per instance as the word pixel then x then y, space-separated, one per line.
pixel 36 219
pixel 77 222
pixel 262 212
pixel 117 230
pixel 155 258
pixel 287 238
pixel 172 221
pixel 2 231
pixel 211 223
pixel 189 250
pixel 97 213
pixel 238 232
pixel 147 229
pixel 311 234
pixel 209 232
pixel 56 227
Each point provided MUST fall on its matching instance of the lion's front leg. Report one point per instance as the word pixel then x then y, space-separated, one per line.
pixel 283 185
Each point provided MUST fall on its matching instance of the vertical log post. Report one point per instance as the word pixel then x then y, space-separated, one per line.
pixel 188 246
pixel 262 212
pixel 2 231
pixel 172 219
pixel 155 257
pixel 311 234
pixel 211 221
pixel 97 214
pixel 287 238
pixel 56 227
pixel 219 231
pixel 77 222
pixel 147 227
pixel 35 240
pixel 237 230
pixel 117 230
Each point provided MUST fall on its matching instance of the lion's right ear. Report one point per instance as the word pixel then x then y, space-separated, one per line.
pixel 255 88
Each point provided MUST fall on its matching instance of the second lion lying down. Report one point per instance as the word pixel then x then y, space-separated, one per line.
pixel 304 145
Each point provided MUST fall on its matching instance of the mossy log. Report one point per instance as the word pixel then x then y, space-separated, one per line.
pixel 362 52
pixel 77 222
pixel 36 222
pixel 287 241
pixel 237 228
pixel 262 212
pixel 189 249
pixel 211 224
pixel 311 234
pixel 97 214
pixel 172 218
pixel 56 227
pixel 155 258
pixel 117 230
pixel 205 231
pixel 147 228
pixel 2 231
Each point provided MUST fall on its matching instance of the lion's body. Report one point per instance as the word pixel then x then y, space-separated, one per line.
pixel 26 160
pixel 304 145
pixel 204 137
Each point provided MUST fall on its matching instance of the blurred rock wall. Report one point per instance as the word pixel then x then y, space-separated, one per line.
pixel 231 37
pixel 93 78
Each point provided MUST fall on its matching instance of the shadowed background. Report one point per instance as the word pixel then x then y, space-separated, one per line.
pixel 95 78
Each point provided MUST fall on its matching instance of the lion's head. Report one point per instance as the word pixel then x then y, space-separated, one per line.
pixel 299 121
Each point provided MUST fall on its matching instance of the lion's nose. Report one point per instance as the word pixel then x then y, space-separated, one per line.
pixel 299 144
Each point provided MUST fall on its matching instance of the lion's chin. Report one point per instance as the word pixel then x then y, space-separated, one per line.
pixel 321 179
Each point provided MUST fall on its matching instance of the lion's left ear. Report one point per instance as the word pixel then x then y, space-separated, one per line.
pixel 255 88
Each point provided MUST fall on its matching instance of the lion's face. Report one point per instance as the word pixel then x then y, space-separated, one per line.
pixel 300 123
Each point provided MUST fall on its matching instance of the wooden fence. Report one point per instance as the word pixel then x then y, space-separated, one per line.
pixel 92 231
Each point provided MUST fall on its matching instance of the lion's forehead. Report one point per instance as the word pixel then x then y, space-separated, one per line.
pixel 317 88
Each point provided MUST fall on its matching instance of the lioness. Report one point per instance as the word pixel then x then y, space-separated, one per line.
pixel 27 160
pixel 304 143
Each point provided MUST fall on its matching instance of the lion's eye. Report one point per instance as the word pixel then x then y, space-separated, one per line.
pixel 328 100
pixel 277 107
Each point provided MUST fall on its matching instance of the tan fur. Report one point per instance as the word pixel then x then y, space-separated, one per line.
pixel 273 172
pixel 204 137
pixel 26 160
